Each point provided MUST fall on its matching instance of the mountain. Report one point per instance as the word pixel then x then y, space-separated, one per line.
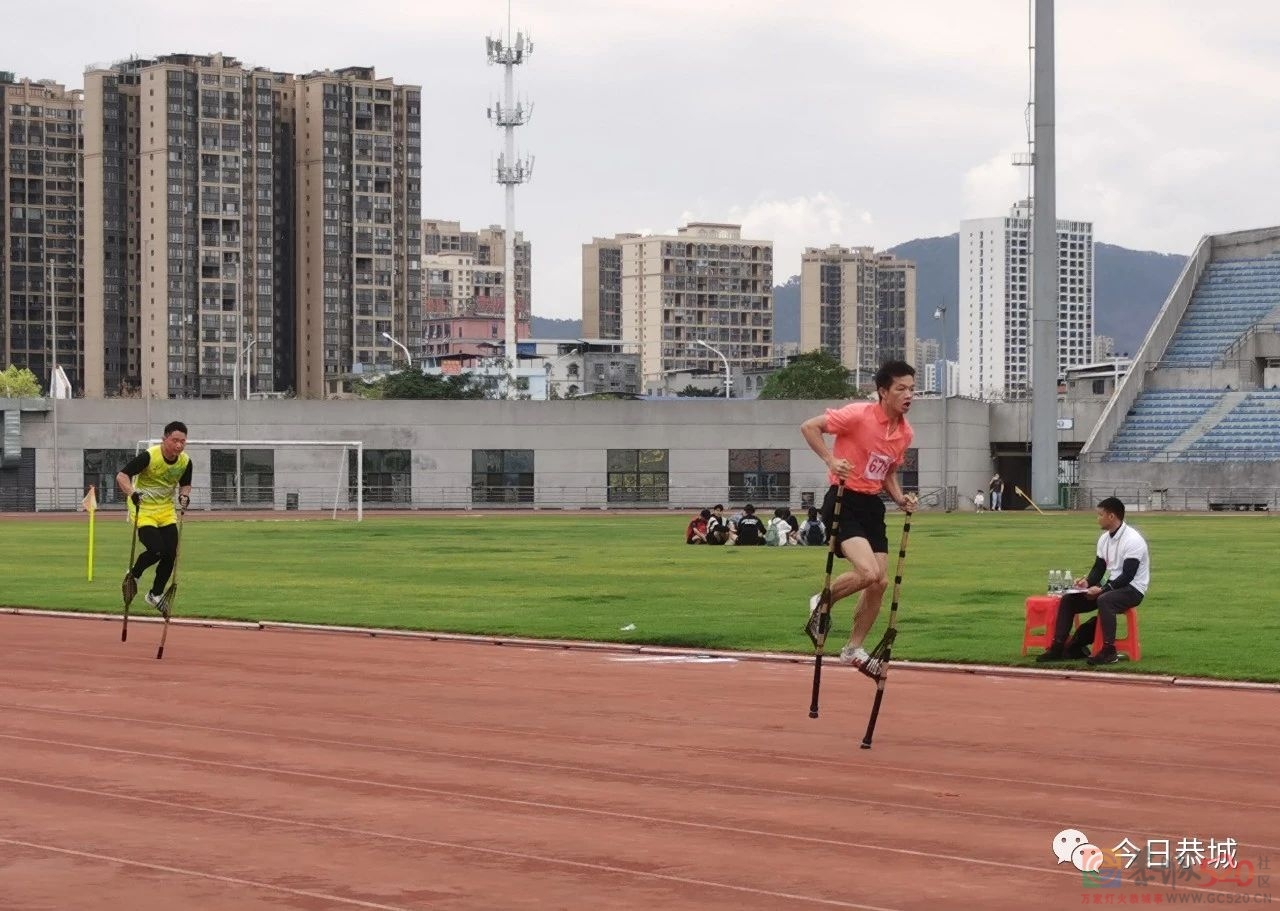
pixel 1130 286
pixel 546 327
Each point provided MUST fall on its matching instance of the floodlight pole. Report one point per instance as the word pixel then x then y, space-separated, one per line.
pixel 1044 272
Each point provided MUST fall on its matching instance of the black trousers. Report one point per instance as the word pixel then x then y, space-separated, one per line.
pixel 161 543
pixel 1108 605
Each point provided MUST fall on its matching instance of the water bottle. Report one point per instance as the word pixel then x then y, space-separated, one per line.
pixel 1053 582
pixel 1068 580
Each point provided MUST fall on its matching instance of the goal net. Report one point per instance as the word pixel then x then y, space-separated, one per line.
pixel 286 475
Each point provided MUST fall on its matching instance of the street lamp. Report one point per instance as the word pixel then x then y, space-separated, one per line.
pixel 940 314
pixel 728 380
pixel 407 356
pixel 247 374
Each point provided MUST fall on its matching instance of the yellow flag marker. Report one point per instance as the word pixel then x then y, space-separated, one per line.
pixel 90 505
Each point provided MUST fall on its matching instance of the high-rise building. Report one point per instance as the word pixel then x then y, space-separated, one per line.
pixel 188 243
pixel 995 296
pixel 41 228
pixel 462 288
pixel 1104 347
pixel 246 230
pixel 859 306
pixel 706 283
pixel 359 184
pixel 602 286
pixel 928 350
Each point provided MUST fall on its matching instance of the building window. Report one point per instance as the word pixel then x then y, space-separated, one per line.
pixel 502 476
pixel 100 469
pixel 910 477
pixel 256 480
pixel 760 476
pixel 638 475
pixel 388 476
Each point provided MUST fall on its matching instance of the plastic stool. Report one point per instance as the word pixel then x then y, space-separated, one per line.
pixel 1042 611
pixel 1128 644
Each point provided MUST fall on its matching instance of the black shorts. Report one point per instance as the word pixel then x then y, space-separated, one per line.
pixel 861 516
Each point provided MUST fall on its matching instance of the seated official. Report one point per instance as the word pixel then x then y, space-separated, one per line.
pixel 1123 559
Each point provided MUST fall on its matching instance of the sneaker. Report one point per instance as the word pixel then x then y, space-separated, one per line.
pixel 858 657
pixel 1108 655
pixel 157 601
pixel 1057 651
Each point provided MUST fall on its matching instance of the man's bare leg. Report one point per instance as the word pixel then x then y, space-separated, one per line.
pixel 869 603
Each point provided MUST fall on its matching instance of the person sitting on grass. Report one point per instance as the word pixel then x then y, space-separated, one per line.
pixel 696 532
pixel 778 532
pixel 750 528
pixel 812 531
pixel 1122 556
pixel 718 531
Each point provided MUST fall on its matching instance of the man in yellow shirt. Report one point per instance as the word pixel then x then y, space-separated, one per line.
pixel 148 481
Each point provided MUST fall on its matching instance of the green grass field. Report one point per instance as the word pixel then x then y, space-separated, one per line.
pixel 1211 611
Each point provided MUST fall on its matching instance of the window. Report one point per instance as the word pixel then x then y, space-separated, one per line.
pixel 910 476
pixel 256 481
pixel 760 476
pixel 100 469
pixel 638 475
pixel 388 476
pixel 502 476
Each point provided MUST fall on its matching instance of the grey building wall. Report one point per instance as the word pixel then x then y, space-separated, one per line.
pixel 570 441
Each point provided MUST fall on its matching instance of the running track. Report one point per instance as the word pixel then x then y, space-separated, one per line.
pixel 255 770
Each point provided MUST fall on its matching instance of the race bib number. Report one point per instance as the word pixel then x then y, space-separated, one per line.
pixel 877 466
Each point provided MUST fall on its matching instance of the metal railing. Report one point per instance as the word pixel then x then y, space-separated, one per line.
pixel 341 500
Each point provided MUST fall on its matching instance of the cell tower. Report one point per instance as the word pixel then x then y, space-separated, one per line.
pixel 511 171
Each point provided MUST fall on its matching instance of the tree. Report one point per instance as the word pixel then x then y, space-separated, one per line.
pixel 18 383
pixel 413 384
pixel 812 375
pixel 693 392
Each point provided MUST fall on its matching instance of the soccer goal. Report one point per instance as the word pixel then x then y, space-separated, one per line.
pixel 308 475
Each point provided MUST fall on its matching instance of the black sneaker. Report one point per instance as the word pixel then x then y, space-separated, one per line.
pixel 1108 655
pixel 1055 652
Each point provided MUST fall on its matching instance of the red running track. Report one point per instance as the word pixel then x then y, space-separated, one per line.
pixel 255 770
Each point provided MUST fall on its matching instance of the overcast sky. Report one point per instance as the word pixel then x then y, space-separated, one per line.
pixel 826 121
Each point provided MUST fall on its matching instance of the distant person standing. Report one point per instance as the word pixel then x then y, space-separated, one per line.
pixel 997 493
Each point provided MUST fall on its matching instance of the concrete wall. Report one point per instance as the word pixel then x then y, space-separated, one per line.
pixel 570 441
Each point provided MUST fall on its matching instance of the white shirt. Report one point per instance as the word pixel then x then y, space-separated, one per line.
pixel 1126 544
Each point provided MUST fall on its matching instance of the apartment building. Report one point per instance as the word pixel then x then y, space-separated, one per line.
pixel 188 242
pixel 859 306
pixel 995 302
pixel 41 228
pixel 359 223
pixel 602 286
pixel 705 283
pixel 247 231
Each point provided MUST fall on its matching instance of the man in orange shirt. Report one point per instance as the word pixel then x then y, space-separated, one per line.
pixel 871 441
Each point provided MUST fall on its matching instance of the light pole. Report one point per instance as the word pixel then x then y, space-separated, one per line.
pixel 247 374
pixel 940 314
pixel 728 380
pixel 407 356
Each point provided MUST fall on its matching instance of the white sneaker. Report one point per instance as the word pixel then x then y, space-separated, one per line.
pixel 157 601
pixel 859 658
